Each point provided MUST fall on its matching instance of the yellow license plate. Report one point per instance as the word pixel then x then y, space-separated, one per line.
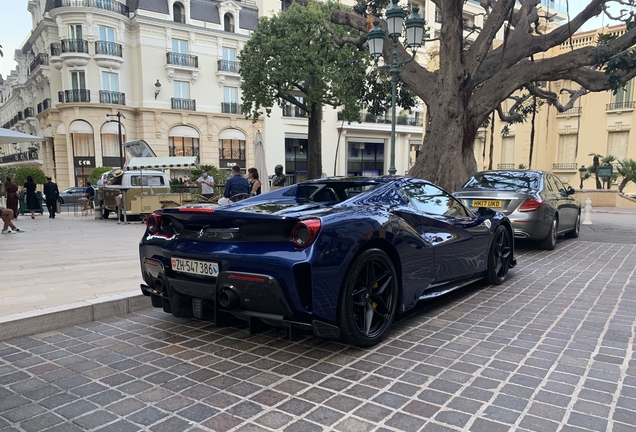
pixel 486 203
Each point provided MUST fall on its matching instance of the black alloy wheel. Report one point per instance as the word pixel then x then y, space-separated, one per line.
pixel 499 257
pixel 577 228
pixel 368 299
pixel 549 243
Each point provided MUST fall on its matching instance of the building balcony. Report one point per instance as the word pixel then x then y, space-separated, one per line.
pixel 564 166
pixel 576 111
pixel 44 105
pixel 183 151
pixel 294 111
pixel 182 66
pixel 229 28
pixel 110 5
pixel 228 66
pixel 108 54
pixel 41 59
pixel 28 113
pixel 180 18
pixel 71 52
pixel 186 60
pixel 19 157
pixel 184 104
pixel 111 97
pixel 620 106
pixel 382 119
pixel 505 166
pixel 75 95
pixel 231 108
pixel 231 155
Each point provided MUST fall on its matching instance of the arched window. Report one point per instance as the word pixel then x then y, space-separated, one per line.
pixel 178 13
pixel 231 148
pixel 184 141
pixel 228 23
pixel 83 141
pixel 110 143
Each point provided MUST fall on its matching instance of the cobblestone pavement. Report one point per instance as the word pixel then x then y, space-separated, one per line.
pixel 552 349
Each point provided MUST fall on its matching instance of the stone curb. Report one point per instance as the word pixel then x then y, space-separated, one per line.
pixel 44 320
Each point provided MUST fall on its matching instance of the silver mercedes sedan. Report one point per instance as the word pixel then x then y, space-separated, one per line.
pixel 539 206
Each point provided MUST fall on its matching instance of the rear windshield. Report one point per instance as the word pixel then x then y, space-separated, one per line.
pixel 503 181
pixel 332 192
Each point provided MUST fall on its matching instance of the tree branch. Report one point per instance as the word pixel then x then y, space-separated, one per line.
pixel 553 99
pixel 360 42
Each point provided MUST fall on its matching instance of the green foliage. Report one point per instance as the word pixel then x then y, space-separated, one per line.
pixel 627 170
pixel 292 54
pixel 21 175
pixel 97 172
pixel 378 94
pixel 522 166
pixel 614 64
pixel 220 176
pixel 600 160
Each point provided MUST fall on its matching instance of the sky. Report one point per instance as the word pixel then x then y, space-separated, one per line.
pixel 15 27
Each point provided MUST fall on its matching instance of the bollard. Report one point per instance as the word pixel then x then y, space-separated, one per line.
pixel 588 212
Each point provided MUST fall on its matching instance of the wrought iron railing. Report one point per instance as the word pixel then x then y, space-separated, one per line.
pixel 620 105
pixel 183 151
pixel 110 5
pixel 112 97
pixel 74 45
pixel 504 166
pixel 184 104
pixel 571 111
pixel 39 106
pixel 46 104
pixel 229 28
pixel 28 112
pixel 39 60
pixel 293 111
pixel 231 108
pixel 228 66
pixel 372 118
pixel 20 116
pixel 75 95
pixel 180 18
pixel 564 166
pixel 16 157
pixel 108 48
pixel 56 49
pixel 179 59
pixel 231 154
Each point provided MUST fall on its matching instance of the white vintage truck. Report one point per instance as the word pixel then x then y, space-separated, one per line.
pixel 142 186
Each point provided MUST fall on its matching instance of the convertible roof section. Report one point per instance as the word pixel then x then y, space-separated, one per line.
pixel 146 163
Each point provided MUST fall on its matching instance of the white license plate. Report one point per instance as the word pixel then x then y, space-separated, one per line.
pixel 201 268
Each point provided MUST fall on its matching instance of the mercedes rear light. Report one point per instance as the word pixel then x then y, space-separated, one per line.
pixel 305 232
pixel 531 205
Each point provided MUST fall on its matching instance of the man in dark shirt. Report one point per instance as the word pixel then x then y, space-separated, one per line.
pixel 237 184
pixel 52 193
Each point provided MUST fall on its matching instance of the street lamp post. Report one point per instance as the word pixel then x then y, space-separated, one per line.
pixel 119 116
pixel 582 172
pixel 414 32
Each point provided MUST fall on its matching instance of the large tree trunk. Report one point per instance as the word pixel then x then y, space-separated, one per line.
pixel 448 143
pixel 314 140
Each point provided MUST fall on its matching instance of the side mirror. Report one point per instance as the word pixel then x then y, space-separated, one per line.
pixel 570 190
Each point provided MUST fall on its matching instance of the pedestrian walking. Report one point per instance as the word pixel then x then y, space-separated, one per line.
pixel 31 197
pixel 52 194
pixel 13 199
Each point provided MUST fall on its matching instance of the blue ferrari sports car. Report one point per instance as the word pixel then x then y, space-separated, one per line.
pixel 337 256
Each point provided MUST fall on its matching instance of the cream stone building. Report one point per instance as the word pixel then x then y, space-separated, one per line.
pixel 169 68
pixel 598 123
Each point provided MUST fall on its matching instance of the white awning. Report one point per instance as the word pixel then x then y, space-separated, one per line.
pixel 113 128
pixel 80 126
pixel 234 134
pixel 183 131
pixel 8 136
pixel 145 163
pixel 366 140
pixel 291 135
pixel 61 129
pixel 46 133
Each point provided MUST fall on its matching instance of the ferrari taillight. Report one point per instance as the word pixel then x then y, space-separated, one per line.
pixel 153 223
pixel 305 232
pixel 531 205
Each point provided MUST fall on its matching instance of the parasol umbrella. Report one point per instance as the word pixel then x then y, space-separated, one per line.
pixel 8 136
pixel 259 162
